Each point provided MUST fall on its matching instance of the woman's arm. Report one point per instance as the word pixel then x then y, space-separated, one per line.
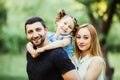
pixel 71 75
pixel 94 69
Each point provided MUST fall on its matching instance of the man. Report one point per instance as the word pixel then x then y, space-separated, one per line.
pixel 50 65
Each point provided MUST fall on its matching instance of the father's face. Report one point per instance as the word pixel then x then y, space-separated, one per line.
pixel 36 33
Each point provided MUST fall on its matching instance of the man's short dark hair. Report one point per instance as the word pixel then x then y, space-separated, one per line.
pixel 33 20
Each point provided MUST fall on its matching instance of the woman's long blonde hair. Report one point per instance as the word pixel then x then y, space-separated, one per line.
pixel 95 49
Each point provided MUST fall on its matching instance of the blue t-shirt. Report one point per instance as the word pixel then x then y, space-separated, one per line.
pixel 68 49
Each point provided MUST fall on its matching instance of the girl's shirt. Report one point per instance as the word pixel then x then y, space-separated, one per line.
pixel 68 49
pixel 83 66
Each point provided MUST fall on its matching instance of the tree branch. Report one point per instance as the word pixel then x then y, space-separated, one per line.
pixel 91 17
pixel 106 24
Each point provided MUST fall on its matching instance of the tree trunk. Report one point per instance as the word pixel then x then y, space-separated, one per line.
pixel 105 30
pixel 109 70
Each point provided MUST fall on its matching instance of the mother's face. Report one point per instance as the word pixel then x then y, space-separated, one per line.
pixel 83 39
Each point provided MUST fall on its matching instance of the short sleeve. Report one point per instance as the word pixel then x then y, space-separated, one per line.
pixel 61 61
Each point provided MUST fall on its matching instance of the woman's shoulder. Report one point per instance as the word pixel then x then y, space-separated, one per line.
pixel 97 60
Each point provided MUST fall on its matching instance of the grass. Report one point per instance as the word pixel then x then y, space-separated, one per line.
pixel 114 62
pixel 13 66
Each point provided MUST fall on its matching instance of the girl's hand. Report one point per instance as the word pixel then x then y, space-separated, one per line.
pixel 30 48
pixel 40 50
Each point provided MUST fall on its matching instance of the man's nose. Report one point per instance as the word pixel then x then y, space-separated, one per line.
pixel 35 35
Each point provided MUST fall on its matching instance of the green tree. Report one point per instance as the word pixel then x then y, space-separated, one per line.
pixel 3 17
pixel 19 12
pixel 101 13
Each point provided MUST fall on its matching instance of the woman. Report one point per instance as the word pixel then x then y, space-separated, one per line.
pixel 88 52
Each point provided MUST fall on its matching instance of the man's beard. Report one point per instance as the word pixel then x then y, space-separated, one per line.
pixel 38 44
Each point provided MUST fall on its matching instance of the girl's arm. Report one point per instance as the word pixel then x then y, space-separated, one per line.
pixel 31 50
pixel 60 43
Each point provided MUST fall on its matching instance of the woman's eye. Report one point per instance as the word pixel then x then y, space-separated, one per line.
pixel 78 36
pixel 86 37
pixel 65 23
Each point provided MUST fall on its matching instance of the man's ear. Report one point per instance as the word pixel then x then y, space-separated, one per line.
pixel 25 32
pixel 56 24
pixel 46 29
pixel 26 35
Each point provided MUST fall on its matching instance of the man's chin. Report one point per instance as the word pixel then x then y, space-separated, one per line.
pixel 36 44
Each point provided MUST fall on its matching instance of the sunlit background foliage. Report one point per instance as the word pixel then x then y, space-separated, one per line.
pixel 14 13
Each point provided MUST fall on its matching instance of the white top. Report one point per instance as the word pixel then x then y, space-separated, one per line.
pixel 83 66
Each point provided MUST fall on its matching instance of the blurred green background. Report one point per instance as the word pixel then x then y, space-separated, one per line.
pixel 14 13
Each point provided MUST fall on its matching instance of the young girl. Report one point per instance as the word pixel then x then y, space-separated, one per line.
pixel 66 25
pixel 88 52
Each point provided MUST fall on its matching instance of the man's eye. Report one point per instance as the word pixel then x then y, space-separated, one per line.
pixel 30 31
pixel 38 29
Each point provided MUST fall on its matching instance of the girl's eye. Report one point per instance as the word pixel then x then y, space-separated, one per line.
pixel 70 27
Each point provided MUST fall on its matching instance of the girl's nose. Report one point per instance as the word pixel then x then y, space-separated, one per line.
pixel 66 27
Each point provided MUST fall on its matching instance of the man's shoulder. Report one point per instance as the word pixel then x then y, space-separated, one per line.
pixel 59 51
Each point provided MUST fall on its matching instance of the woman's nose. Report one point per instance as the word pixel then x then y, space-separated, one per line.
pixel 81 40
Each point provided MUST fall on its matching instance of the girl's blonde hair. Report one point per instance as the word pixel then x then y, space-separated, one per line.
pixel 95 49
pixel 62 14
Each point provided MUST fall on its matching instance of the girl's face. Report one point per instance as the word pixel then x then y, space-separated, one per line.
pixel 65 25
pixel 83 39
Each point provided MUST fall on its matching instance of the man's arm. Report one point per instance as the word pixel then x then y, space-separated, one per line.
pixel 71 75
pixel 64 65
